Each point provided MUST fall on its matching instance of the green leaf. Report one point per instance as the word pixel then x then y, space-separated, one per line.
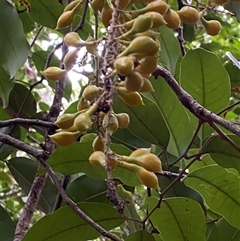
pixel 92 190
pixel 23 171
pixel 6 85
pixel 39 59
pixel 65 224
pixel 140 236
pixel 143 122
pixel 204 77
pixel 14 47
pixel 222 230
pixel 133 220
pixel 223 153
pixel 7 226
pixel 78 161
pixel 45 12
pixel 17 98
pixel 169 56
pixel 28 23
pixel 175 117
pixel 205 161
pixel 176 219
pixel 127 138
pixel 220 190
pixel 6 150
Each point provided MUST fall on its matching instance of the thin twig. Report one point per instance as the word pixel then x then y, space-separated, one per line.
pixel 192 105
pixel 74 206
pixel 27 122
pixel 6 139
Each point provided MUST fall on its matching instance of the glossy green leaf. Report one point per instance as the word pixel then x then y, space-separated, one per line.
pixel 6 150
pixel 7 226
pixel 127 138
pixel 28 23
pixel 14 47
pixel 140 236
pixel 65 224
pixel 133 221
pixel 222 230
pixel 205 161
pixel 86 189
pixel 204 77
pixel 178 219
pixel 143 123
pixel 175 116
pixel 39 59
pixel 23 170
pixel 220 190
pixel 6 85
pixel 78 161
pixel 17 98
pixel 223 153
pixel 169 56
pixel 45 12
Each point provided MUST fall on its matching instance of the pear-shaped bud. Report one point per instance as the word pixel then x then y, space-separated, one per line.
pixel 97 144
pixel 155 6
pixel 147 178
pixel 72 39
pixel 141 45
pixel 65 19
pixel 53 73
pixel 91 92
pixel 140 152
pixel 130 98
pixel 172 19
pixel 106 14
pixel 70 59
pixel 123 120
pixel 72 5
pixel 65 138
pixel 83 121
pixel 124 65
pixel 83 104
pixel 188 15
pixel 98 158
pixel 147 86
pixel 133 81
pixel 157 19
pixel 147 64
pixel 141 24
pixel 110 120
pixel 149 161
pixel 152 34
pixel 65 121
pixel 97 5
pixel 91 47
pixel 212 27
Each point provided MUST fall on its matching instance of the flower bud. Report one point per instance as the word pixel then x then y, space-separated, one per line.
pixel 53 73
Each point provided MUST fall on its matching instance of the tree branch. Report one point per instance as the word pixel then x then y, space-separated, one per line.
pixel 21 145
pixel 73 205
pixel 27 122
pixel 190 103
pixel 29 207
